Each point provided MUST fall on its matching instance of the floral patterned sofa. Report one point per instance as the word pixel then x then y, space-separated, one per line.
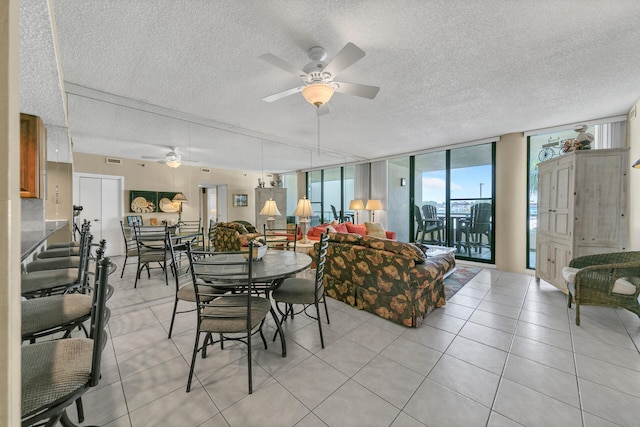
pixel 231 236
pixel 392 279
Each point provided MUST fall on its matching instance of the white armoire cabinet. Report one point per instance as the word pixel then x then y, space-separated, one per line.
pixel 280 196
pixel 582 202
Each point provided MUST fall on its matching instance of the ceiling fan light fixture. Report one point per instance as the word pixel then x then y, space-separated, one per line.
pixel 317 94
pixel 173 163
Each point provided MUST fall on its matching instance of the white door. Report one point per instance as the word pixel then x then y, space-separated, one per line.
pixel 101 200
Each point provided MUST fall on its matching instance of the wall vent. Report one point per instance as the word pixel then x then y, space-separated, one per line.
pixel 205 170
pixel 113 161
pixel 632 113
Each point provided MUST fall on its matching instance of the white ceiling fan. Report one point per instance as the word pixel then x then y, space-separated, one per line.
pixel 318 76
pixel 173 159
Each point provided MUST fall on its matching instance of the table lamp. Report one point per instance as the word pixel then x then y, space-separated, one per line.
pixel 356 205
pixel 303 211
pixel 271 210
pixel 180 199
pixel 373 205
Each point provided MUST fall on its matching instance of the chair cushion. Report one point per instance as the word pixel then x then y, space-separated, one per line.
pixel 296 291
pixel 621 286
pixel 45 279
pixel 53 263
pixel 624 286
pixel 41 314
pixel 375 229
pixel 233 318
pixel 188 293
pixel 52 370
pixel 569 274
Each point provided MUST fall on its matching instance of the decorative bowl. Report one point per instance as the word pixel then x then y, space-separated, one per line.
pixel 258 252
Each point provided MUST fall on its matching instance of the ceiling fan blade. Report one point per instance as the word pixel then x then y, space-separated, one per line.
pixel 152 158
pixel 282 64
pixel 282 94
pixel 323 109
pixel 344 59
pixel 357 89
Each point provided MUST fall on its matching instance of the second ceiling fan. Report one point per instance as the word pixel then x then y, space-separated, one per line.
pixel 318 76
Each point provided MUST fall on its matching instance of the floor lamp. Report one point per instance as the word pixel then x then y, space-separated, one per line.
pixel 180 199
pixel 373 205
pixel 355 206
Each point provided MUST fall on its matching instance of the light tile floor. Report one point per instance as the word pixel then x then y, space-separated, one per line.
pixel 504 351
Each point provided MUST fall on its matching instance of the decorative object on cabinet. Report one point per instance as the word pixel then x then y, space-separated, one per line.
pixel 33 156
pixel 143 201
pixel 279 196
pixel 582 201
pixel 240 200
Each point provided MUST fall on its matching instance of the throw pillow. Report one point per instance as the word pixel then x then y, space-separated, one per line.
pixel 375 230
pixel 341 228
pixel 360 229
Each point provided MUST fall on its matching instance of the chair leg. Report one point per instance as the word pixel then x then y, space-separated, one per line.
pixel 80 410
pixel 577 313
pixel 326 309
pixel 193 360
pixel 173 316
pixel 279 331
pixel 319 323
pixel 124 265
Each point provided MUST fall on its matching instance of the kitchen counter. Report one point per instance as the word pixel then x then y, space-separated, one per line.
pixel 31 240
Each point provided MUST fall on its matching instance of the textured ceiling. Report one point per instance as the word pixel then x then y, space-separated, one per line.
pixel 142 76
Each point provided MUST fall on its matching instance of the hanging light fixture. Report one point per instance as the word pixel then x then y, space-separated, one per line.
pixel 303 211
pixel 270 209
pixel 317 94
pixel 173 163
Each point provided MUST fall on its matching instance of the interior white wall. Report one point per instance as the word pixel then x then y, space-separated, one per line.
pixel 633 141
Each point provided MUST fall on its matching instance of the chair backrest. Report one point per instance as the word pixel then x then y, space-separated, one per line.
pixel 418 217
pixel 100 313
pixel 321 260
pixel 281 238
pixel 335 213
pixel 228 270
pixel 180 265
pixel 190 226
pixel 429 212
pixel 481 217
pixel 130 243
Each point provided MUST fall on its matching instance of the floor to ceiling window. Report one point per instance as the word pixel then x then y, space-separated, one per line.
pixel 330 191
pixel 453 202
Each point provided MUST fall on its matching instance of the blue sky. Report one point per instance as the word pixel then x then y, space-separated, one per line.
pixel 465 183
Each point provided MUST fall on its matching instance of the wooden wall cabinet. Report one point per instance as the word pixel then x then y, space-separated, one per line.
pixel 277 194
pixel 33 156
pixel 582 202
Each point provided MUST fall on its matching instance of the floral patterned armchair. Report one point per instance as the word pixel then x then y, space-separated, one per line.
pixel 392 279
pixel 231 236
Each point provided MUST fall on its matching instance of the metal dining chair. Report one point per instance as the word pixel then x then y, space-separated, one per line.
pixel 237 314
pixel 305 292
pixel 152 244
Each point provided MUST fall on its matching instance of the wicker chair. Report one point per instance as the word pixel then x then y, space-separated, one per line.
pixel 609 280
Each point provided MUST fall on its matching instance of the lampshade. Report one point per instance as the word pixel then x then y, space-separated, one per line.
pixel 373 205
pixel 356 204
pixel 317 94
pixel 303 209
pixel 270 208
pixel 179 197
pixel 636 165
pixel 173 163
